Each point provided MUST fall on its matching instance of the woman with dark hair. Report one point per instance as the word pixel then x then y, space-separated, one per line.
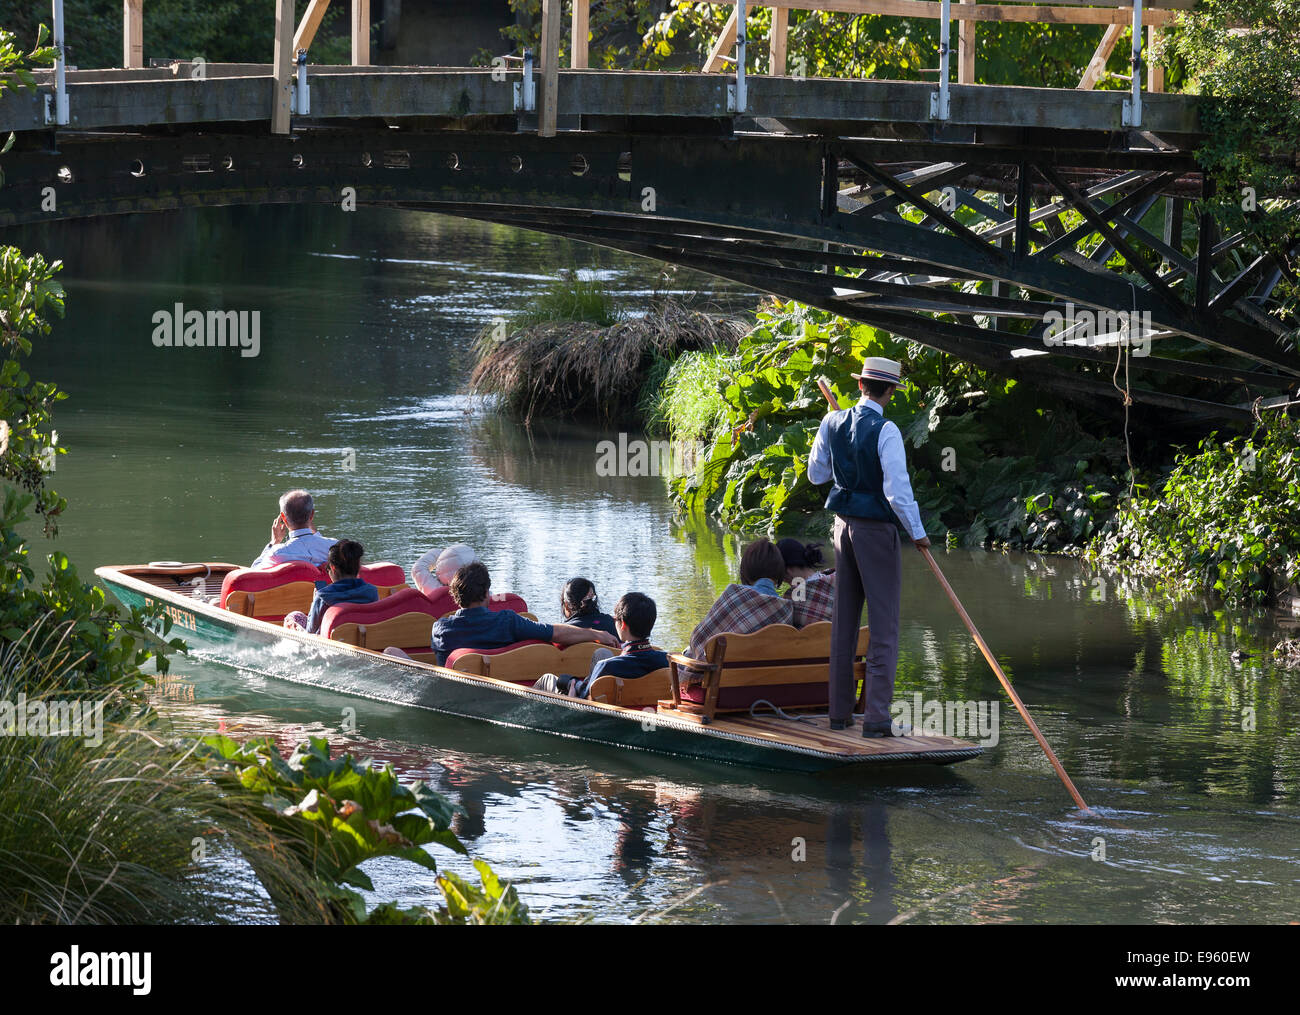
pixel 581 608
pixel 751 605
pixel 812 587
pixel 344 566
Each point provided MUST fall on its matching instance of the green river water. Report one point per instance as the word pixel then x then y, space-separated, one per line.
pixel 366 326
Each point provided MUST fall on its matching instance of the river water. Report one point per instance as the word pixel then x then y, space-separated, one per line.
pixel 1189 757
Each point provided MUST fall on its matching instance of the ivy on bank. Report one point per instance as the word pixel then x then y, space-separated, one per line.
pixel 1226 519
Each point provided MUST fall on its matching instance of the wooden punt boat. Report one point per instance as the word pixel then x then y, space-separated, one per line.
pixel 760 741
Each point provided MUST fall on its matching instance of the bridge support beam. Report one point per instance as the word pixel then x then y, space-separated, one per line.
pixel 966 50
pixel 309 25
pixel 132 33
pixel 282 95
pixel 578 43
pixel 778 41
pixel 550 56
pixel 360 33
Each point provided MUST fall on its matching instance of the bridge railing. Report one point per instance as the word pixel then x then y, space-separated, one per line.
pixel 291 43
pixel 1116 15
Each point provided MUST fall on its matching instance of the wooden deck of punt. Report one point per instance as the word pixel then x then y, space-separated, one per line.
pixel 814 732
pixel 803 744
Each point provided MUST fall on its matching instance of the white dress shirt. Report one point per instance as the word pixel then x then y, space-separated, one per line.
pixel 893 463
pixel 302 544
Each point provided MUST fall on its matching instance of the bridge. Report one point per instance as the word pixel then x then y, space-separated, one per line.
pixel 1043 234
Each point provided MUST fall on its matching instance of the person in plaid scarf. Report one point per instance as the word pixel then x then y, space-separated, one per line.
pixel 812 589
pixel 753 604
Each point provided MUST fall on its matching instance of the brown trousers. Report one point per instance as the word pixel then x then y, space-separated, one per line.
pixel 868 566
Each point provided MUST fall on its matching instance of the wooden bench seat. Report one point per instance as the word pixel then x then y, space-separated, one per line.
pixel 639 692
pixel 787 666
pixel 524 664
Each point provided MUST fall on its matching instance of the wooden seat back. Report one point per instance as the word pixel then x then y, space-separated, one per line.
pixel 272 604
pixel 790 667
pixel 639 692
pixel 528 662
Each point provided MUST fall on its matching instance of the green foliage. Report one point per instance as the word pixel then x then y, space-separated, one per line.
pixel 570 298
pixel 1226 519
pixel 1243 54
pixel 221 31
pixel 689 403
pixel 987 462
pixel 655 35
pixel 103 647
pixel 102 828
pixel 335 814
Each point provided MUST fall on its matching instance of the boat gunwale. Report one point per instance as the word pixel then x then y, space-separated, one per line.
pixel 959 751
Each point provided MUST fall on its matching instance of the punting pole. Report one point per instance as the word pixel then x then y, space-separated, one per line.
pixel 988 655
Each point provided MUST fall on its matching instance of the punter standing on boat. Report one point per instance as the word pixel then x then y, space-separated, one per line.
pixel 861 453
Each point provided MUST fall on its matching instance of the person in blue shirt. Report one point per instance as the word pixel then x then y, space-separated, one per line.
pixel 634 618
pixel 581 608
pixel 347 587
pixel 294 535
pixel 475 626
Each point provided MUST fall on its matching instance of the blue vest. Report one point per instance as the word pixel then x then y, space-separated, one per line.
pixel 853 436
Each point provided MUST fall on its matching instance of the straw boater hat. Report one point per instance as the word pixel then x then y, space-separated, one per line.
pixel 877 368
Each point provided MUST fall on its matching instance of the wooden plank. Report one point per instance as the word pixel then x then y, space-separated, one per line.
pixel 1062 13
pixel 1155 69
pixel 714 62
pixel 311 20
pixel 550 66
pixel 132 33
pixel 966 50
pixel 778 41
pixel 581 28
pixel 282 67
pixel 1097 65
pixel 361 33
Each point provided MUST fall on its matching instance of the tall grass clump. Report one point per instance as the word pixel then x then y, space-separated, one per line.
pixel 570 297
pixel 566 368
pixel 119 826
pixel 690 406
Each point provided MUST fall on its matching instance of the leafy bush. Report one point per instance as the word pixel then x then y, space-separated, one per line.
pixel 1226 519
pixel 335 814
pixel 986 460
pixel 689 403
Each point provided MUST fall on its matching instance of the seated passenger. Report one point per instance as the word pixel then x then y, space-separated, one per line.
pixel 294 535
pixel 437 568
pixel 347 587
pixel 581 608
pixel 634 618
pixel 812 589
pixel 751 605
pixel 475 626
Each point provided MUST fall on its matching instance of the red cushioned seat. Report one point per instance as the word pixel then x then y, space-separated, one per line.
pixel 268 593
pixel 444 604
pixel 385 576
pixel 400 603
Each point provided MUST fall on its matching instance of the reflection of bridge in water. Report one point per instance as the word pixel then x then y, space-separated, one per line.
pixel 952 214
